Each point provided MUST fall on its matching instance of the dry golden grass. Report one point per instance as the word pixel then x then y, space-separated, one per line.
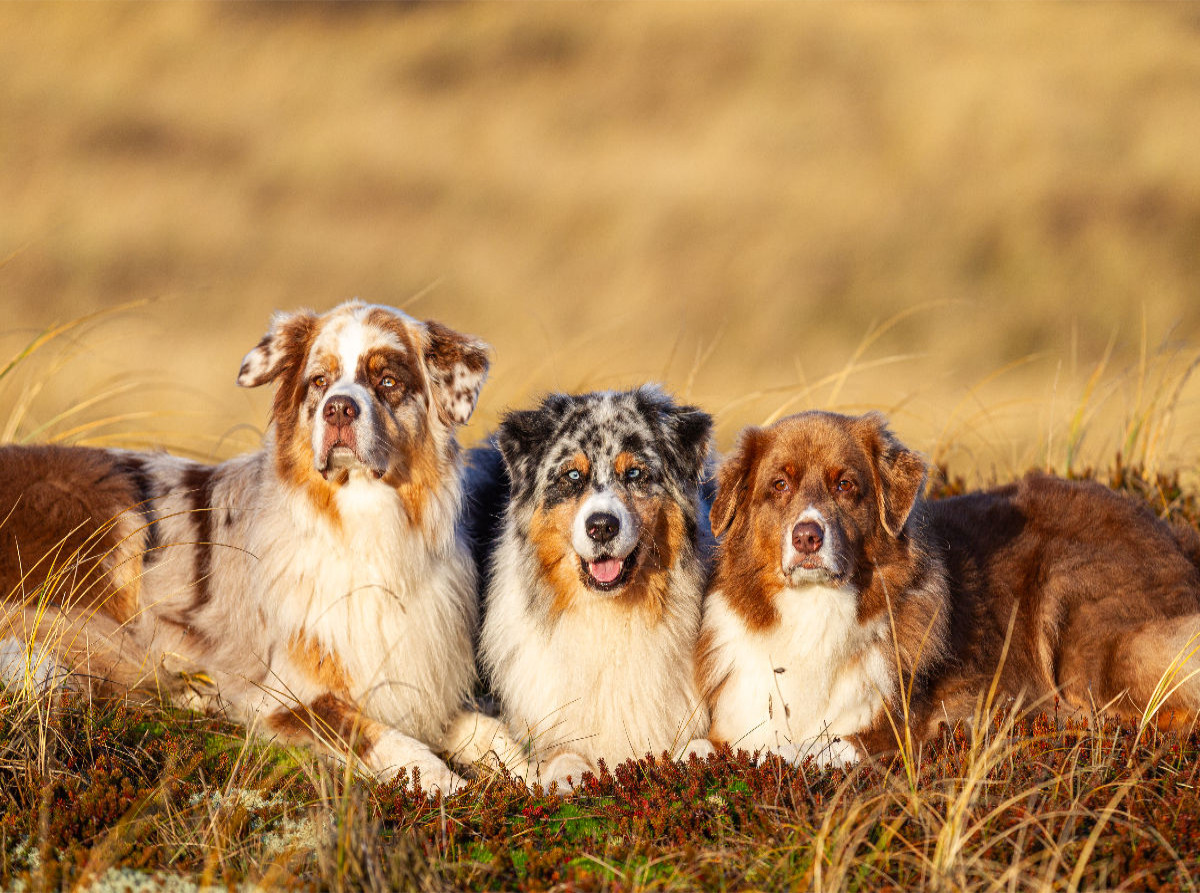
pixel 984 219
pixel 730 198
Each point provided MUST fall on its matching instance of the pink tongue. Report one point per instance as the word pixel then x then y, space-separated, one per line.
pixel 605 571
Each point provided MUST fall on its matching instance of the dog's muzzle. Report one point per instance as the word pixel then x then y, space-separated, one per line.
pixel 341 447
pixel 606 540
pixel 808 553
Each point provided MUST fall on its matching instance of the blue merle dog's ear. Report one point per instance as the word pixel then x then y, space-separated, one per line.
pixel 686 429
pixel 523 436
pixel 282 349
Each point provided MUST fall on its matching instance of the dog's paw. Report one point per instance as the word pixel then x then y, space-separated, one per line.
pixel 395 751
pixel 700 747
pixel 566 770
pixel 482 741
pixel 835 753
pixel 441 779
pixel 826 752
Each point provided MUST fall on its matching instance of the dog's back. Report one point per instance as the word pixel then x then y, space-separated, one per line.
pixel 1101 595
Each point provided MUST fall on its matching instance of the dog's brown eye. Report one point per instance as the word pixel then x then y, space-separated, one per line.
pixel 845 486
pixel 780 486
pixel 387 382
pixel 319 382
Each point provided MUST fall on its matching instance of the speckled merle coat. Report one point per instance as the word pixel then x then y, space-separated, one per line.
pixel 596 582
pixel 320 584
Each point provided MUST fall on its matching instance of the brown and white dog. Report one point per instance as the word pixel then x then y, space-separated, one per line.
pixel 838 592
pixel 318 590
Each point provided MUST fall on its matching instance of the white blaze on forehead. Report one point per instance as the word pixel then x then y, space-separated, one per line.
pixel 349 339
pixel 619 546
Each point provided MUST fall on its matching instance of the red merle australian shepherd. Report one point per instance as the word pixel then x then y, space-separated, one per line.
pixel 838 591
pixel 319 587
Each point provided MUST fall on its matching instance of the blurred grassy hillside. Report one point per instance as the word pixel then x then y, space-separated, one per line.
pixel 983 218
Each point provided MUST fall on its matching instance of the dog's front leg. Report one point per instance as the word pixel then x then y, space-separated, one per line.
pixel 334 725
pixel 475 737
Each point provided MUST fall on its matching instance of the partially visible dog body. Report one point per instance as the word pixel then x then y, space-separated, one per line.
pixel 594 601
pixel 318 590
pixel 839 593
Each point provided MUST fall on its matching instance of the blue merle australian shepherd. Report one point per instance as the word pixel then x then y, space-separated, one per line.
pixel 596 579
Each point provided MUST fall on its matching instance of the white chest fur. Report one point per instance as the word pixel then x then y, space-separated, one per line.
pixel 397 613
pixel 816 675
pixel 601 680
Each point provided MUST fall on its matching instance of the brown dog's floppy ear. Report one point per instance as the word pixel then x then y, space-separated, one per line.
pixel 457 366
pixel 283 346
pixel 734 478
pixel 898 471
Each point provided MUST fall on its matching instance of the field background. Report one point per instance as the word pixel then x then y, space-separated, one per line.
pixel 983 219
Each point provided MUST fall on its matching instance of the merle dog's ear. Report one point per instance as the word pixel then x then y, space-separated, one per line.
pixel 735 476
pixel 899 472
pixel 523 436
pixel 687 430
pixel 457 366
pixel 282 348
pixel 691 438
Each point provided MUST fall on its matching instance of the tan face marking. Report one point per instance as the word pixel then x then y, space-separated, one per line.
pixel 557 563
pixel 372 356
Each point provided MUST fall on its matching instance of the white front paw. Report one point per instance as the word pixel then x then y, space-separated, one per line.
pixel 438 777
pixel 566 769
pixel 837 753
pixel 701 747
pixel 395 751
pixel 826 752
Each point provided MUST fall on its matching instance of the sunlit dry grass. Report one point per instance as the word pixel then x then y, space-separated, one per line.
pixel 722 197
pixel 982 220
pixel 102 794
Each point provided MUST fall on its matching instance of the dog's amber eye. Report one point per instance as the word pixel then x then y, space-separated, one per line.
pixel 319 382
pixel 845 486
pixel 387 382
pixel 780 486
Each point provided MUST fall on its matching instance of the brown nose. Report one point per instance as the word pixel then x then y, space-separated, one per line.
pixel 340 411
pixel 807 537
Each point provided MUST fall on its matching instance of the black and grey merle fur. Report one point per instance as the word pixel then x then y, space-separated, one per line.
pixel 596 582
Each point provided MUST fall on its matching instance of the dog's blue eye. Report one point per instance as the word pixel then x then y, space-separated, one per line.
pixel 574 476
pixel 632 474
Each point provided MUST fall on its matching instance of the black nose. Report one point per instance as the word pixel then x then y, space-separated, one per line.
pixel 341 411
pixel 807 537
pixel 602 526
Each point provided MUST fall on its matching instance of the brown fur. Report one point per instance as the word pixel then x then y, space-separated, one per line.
pixel 294 455
pixel 71 553
pixel 663 539
pixel 322 666
pixel 330 720
pixel 1100 594
pixel 558 566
